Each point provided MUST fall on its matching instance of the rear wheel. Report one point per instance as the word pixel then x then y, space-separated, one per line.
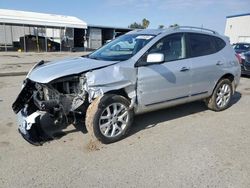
pixel 221 96
pixel 109 118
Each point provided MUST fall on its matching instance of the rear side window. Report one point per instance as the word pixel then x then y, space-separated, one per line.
pixel 219 43
pixel 201 45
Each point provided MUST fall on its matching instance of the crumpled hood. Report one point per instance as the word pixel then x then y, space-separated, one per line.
pixel 47 72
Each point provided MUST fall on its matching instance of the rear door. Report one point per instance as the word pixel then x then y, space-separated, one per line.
pixel 207 63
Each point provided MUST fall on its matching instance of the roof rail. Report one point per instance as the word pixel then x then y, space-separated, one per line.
pixel 196 28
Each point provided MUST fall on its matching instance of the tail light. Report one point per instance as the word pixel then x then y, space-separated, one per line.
pixel 239 58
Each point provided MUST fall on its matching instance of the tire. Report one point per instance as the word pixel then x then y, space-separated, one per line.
pixel 109 118
pixel 221 97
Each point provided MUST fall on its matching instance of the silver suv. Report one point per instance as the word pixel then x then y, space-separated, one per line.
pixel 141 71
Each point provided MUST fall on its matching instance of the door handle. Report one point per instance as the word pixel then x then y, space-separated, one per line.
pixel 219 63
pixel 183 69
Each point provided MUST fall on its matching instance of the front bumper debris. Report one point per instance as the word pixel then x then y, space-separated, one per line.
pixel 24 96
pixel 30 129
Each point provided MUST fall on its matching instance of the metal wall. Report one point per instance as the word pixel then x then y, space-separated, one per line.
pixel 97 36
pixel 35 38
pixel 94 38
pixel 28 38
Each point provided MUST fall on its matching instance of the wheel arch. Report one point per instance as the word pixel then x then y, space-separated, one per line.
pixel 228 76
pixel 210 101
pixel 128 92
pixel 121 92
pixel 95 111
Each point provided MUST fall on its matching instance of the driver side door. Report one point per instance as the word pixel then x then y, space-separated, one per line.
pixel 169 81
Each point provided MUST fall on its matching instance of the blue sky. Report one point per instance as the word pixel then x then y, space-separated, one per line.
pixel 209 13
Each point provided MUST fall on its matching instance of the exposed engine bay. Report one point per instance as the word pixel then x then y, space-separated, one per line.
pixel 63 99
pixel 62 91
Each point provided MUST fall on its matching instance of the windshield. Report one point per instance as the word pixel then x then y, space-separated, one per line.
pixel 121 48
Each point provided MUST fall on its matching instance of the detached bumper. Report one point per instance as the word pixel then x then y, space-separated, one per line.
pixel 26 122
pixel 30 129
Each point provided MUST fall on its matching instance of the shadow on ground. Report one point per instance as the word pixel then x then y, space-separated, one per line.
pixel 152 119
pixel 58 131
pixel 141 122
pixel 245 76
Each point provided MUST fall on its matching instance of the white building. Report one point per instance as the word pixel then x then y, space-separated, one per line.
pixel 39 32
pixel 32 31
pixel 238 28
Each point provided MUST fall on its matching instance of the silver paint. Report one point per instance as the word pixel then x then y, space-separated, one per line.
pixel 50 71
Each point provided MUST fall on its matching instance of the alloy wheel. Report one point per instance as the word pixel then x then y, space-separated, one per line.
pixel 223 95
pixel 113 120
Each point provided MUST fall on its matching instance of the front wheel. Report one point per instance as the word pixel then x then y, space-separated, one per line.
pixel 109 118
pixel 221 96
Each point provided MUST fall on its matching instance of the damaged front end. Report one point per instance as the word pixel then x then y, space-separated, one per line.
pixel 63 99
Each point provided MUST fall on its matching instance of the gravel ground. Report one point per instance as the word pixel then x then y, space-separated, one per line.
pixel 13 63
pixel 184 146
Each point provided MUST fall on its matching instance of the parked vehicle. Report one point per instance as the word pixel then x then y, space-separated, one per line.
pixel 241 47
pixel 165 68
pixel 245 64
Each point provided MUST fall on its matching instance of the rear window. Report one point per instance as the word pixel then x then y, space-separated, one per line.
pixel 201 45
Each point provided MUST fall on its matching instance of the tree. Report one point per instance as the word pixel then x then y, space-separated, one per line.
pixel 135 25
pixel 174 25
pixel 161 26
pixel 143 25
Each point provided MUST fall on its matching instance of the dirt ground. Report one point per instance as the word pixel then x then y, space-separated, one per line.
pixel 184 146
pixel 13 63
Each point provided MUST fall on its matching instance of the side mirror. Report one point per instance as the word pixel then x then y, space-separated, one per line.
pixel 150 59
pixel 155 58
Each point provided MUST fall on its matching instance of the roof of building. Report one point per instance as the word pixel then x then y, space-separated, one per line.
pixel 40 19
pixel 238 15
pixel 109 27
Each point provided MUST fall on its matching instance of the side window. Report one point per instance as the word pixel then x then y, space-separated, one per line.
pixel 219 43
pixel 200 45
pixel 172 46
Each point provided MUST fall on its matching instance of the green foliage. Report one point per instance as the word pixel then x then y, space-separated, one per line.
pixel 135 25
pixel 174 25
pixel 161 26
pixel 145 23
